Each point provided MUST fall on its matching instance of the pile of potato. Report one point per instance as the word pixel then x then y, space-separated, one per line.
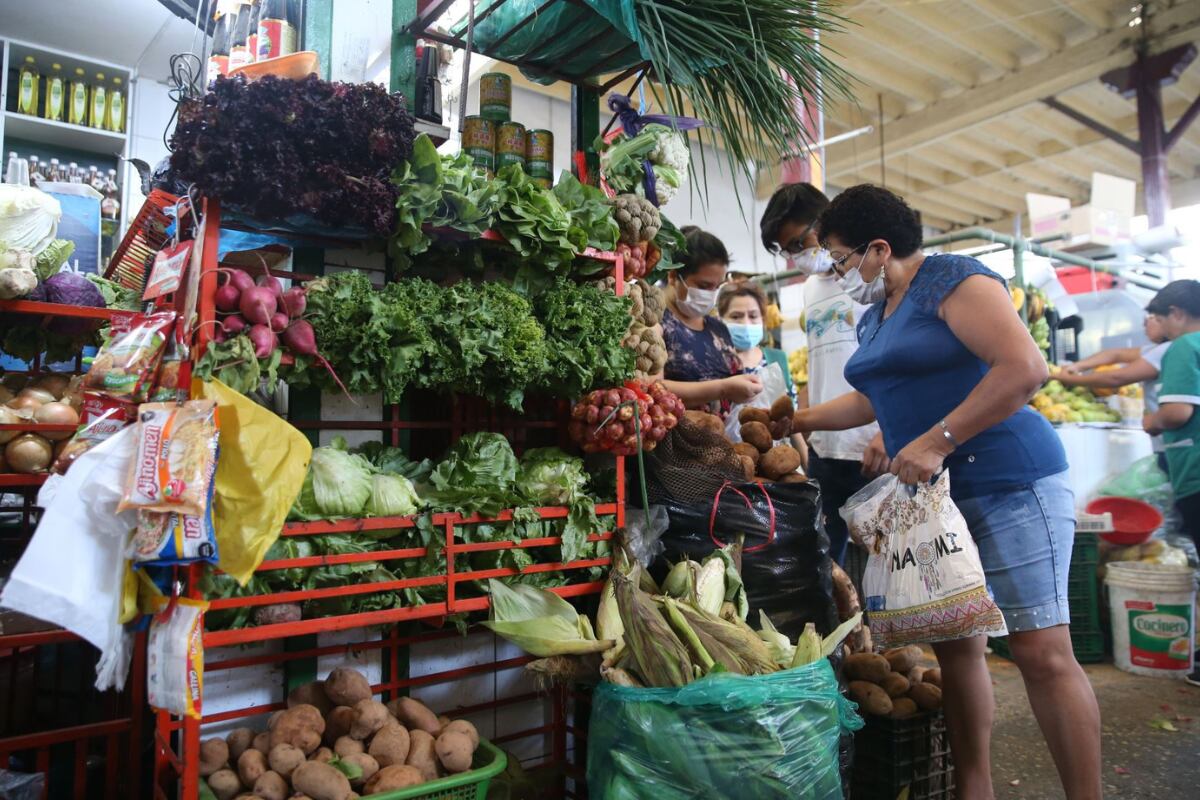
pixel 894 684
pixel 762 458
pixel 337 723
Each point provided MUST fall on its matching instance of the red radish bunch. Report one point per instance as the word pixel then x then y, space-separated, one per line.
pixel 608 420
pixel 636 265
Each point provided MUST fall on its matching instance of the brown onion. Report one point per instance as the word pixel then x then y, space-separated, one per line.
pixel 57 414
pixel 28 453
pixel 10 416
pixel 6 394
pixel 55 383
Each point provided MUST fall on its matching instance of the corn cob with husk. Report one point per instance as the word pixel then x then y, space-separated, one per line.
pixel 808 646
pixel 734 646
pixel 781 647
pixel 541 623
pixel 658 656
pixel 701 585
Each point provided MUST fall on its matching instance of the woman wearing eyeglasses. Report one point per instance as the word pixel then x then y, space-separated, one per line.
pixel 702 364
pixel 946 367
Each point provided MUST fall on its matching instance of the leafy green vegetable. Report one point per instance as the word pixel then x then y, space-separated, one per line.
pixel 476 477
pixel 233 363
pixel 394 461
pixel 115 295
pixel 549 477
pixel 51 259
pixel 338 484
pixel 392 496
pixel 536 226
pixel 589 210
pixel 585 327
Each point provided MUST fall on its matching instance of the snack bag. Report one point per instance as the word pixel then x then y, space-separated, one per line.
pixel 175 658
pixel 127 363
pixel 164 539
pixel 100 417
pixel 175 460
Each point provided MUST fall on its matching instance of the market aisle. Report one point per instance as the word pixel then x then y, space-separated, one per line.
pixel 1159 763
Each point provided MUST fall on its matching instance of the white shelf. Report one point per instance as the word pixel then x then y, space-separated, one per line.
pixel 439 133
pixel 62 134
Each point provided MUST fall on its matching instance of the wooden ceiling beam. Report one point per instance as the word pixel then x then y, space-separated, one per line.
pixel 933 24
pixel 926 195
pixel 1088 11
pixel 928 60
pixel 1027 28
pixel 1058 73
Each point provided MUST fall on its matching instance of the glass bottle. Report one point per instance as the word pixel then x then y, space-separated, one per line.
pixel 110 206
pixel 277 29
pixel 55 173
pixel 218 59
pixel 252 34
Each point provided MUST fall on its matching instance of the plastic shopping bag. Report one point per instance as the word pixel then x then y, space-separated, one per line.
pixel 774 387
pixel 924 580
pixel 760 736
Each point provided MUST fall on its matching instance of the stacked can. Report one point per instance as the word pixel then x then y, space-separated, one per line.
pixel 510 145
pixel 495 97
pixel 539 157
pixel 479 142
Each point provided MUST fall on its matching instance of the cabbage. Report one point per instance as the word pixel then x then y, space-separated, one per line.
pixel 392 496
pixel 28 217
pixel 550 477
pixel 338 484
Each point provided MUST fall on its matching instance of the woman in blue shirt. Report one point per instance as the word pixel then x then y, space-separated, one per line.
pixel 946 367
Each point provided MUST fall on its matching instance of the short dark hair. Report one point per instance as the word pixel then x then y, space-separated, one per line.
pixel 1184 295
pixel 748 289
pixel 866 212
pixel 800 203
pixel 702 248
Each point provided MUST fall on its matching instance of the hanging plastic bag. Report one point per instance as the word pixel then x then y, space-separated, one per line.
pixel 762 736
pixel 262 467
pixel 175 658
pixel 774 387
pixel 924 580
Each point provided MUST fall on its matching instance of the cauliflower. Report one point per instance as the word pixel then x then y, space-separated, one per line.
pixel 622 162
pixel 637 218
pixel 17 276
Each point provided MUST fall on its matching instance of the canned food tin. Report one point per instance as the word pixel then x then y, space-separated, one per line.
pixel 539 169
pixel 539 146
pixel 545 183
pixel 495 96
pixel 510 144
pixel 479 140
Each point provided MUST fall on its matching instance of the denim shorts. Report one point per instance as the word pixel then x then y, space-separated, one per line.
pixel 1025 535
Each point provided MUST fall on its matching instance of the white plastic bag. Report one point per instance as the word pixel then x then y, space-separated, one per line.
pixel 774 387
pixel 924 581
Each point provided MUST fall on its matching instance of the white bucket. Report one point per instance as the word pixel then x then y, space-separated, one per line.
pixel 1153 617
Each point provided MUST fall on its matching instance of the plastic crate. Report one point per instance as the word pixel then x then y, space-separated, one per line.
pixel 892 755
pixel 490 761
pixel 1088 646
pixel 1086 549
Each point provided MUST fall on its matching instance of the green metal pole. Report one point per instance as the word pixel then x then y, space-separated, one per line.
pixel 585 127
pixel 318 33
pixel 404 51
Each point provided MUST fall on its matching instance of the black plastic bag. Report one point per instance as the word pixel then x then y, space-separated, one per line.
pixel 785 565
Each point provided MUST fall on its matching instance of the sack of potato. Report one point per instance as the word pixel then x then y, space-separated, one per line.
pixel 893 684
pixel 335 741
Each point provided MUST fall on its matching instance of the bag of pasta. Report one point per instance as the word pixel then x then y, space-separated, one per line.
pixel 176 458
pixel 126 364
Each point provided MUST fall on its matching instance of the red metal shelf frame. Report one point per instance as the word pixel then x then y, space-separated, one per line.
pixel 35 308
pixel 466 415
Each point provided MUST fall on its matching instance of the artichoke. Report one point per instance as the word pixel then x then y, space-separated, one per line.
pixel 637 218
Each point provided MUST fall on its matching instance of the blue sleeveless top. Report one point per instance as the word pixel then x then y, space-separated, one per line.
pixel 915 371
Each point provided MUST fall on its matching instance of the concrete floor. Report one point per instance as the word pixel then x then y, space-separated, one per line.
pixel 1141 761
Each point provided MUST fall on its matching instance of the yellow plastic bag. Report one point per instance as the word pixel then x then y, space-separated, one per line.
pixel 261 469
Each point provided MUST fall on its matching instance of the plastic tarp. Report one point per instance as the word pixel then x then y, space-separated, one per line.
pixel 762 736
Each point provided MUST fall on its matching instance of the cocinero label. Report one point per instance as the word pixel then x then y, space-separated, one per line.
pixel 1160 636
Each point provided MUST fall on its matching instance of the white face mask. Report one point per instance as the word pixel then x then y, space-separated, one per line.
pixel 810 261
pixel 861 292
pixel 698 301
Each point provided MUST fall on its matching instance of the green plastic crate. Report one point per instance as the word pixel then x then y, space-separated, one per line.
pixel 1088 646
pixel 1087 548
pixel 489 762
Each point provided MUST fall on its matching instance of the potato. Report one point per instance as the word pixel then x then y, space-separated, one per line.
pixel 348 746
pixel 903 708
pixel 272 786
pixel 300 725
pixel 284 758
pixel 313 693
pixel 927 696
pixel 271 719
pixel 421 754
pixel 390 746
pixel 872 699
pixel 369 716
pixel 454 751
pixel 251 765
pixel 337 724
pixel 224 783
pixel 414 714
pixel 366 763
pixel 748 467
pixel 782 409
pixel 915 675
pixel 902 659
pixel 757 434
pixel 321 782
pixel 214 755
pixel 462 726
pixel 780 429
pixel 895 684
pixel 239 741
pixel 748 414
pixel 262 742
pixel 389 779
pixel 794 477
pixel 346 686
pixel 867 667
pixel 443 720
pixel 748 450
pixel 933 677
pixel 779 461
pixel 322 754
pixel 707 421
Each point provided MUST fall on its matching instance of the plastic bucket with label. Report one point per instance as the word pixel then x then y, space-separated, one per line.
pixel 1153 617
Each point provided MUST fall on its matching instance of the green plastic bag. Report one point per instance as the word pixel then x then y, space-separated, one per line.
pixel 1144 481
pixel 725 736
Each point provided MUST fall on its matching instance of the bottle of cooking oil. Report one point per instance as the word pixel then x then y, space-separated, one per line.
pixel 115 120
pixel 27 87
pixel 54 102
pixel 97 102
pixel 77 99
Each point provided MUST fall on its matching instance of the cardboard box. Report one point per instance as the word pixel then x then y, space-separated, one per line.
pixel 1103 222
